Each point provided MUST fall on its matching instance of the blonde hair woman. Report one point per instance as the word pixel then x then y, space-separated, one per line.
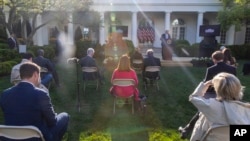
pixel 124 71
pixel 225 109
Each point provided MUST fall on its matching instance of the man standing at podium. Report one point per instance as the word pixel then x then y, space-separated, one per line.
pixel 165 46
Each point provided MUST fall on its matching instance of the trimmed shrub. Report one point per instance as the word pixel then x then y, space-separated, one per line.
pixel 4 45
pixel 49 51
pixel 131 47
pixel 5 67
pixel 7 55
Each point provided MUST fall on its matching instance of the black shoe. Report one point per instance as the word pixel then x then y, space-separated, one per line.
pixel 183 132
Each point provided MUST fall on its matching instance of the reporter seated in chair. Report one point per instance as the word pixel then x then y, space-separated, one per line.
pixel 124 71
pixel 150 60
pixel 25 104
pixel 50 73
pixel 15 73
pixel 89 61
pixel 224 110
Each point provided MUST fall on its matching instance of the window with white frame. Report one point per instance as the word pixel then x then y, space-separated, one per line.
pixel 178 29
pixel 222 37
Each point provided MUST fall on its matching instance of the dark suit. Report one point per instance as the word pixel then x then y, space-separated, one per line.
pixel 25 104
pixel 165 47
pixel 12 42
pixel 88 61
pixel 217 68
pixel 150 61
pixel 46 63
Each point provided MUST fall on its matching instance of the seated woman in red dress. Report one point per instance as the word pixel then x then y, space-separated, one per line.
pixel 124 71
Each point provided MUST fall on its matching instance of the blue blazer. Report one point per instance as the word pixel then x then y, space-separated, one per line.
pixel 218 68
pixel 25 104
pixel 88 61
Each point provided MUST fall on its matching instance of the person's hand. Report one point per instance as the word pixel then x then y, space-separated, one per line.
pixel 208 83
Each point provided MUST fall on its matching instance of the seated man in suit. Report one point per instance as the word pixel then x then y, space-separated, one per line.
pixel 89 61
pixel 50 73
pixel 15 72
pixel 150 60
pixel 25 104
pixel 218 67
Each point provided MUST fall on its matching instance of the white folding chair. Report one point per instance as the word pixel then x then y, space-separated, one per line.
pixel 122 100
pixel 86 82
pixel 151 69
pixel 137 62
pixel 217 133
pixel 20 132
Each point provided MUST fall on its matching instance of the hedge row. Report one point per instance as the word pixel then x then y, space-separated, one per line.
pixel 80 51
pixel 182 48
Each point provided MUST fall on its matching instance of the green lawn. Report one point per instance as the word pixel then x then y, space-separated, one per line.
pixel 167 108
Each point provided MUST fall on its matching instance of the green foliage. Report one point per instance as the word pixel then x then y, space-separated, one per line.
pixel 184 42
pixel 8 54
pixel 3 34
pixel 182 48
pixel 240 51
pixel 3 45
pixel 81 48
pixel 163 135
pixel 5 67
pixel 98 136
pixel 131 47
pixel 49 51
pixel 235 12
pixel 167 109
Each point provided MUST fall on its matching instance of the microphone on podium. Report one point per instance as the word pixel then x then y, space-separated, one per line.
pixel 73 60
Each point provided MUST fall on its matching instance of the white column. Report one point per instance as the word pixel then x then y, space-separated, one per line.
pixel 230 35
pixel 199 23
pixel 167 20
pixel 39 33
pixel 101 29
pixel 70 29
pixel 134 28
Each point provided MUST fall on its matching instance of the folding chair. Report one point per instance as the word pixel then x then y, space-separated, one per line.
pixel 90 77
pixel 137 63
pixel 123 100
pixel 151 76
pixel 20 132
pixel 217 133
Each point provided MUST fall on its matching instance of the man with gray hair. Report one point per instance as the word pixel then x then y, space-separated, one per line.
pixel 89 61
pixel 150 60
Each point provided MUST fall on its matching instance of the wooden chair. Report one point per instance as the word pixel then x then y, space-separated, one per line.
pixel 123 100
pixel 154 80
pixel 90 77
pixel 217 133
pixel 20 132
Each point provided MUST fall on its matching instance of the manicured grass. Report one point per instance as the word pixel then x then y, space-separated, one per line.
pixel 167 109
